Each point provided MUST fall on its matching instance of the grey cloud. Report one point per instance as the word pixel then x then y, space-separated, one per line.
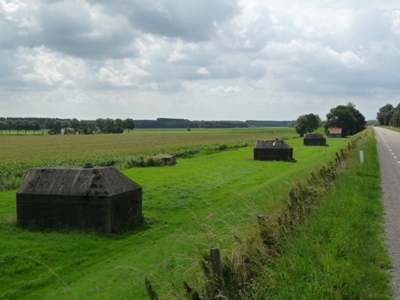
pixel 244 36
pixel 369 25
pixel 190 21
pixel 7 36
pixel 74 30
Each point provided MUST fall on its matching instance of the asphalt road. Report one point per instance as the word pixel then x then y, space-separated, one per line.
pixel 388 144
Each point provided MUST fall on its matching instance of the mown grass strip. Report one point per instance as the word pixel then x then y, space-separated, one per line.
pixel 339 252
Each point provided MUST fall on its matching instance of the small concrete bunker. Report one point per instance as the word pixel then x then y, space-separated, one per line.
pixel 273 150
pixel 99 198
pixel 314 139
pixel 166 159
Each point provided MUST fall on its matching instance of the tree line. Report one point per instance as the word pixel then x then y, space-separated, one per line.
pixel 346 117
pixel 100 125
pixel 185 123
pixel 267 123
pixel 19 125
pixel 388 115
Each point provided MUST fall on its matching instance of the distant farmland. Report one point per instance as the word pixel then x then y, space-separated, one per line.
pixel 20 152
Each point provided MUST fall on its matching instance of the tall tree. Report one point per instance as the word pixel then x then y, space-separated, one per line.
pixel 2 126
pixel 49 123
pixel 341 117
pixel 88 126
pixel 384 114
pixel 119 126
pixel 17 125
pixel 75 124
pixel 25 125
pixel 360 124
pixel 395 119
pixel 57 127
pixel 100 124
pixel 35 126
pixel 129 124
pixel 9 125
pixel 307 123
pixel 109 125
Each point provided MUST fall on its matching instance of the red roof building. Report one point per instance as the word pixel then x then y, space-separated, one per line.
pixel 334 132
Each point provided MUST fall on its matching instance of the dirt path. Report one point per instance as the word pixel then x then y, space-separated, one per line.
pixel 389 158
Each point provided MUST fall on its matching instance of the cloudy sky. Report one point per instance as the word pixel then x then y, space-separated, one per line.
pixel 197 59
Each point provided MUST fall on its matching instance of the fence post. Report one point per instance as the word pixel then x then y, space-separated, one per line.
pixel 341 151
pixel 217 267
pixel 337 157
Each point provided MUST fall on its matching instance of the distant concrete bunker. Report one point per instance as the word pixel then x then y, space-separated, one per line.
pixel 273 150
pixel 99 198
pixel 314 139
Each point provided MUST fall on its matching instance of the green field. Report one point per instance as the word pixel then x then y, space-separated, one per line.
pixel 190 207
pixel 20 152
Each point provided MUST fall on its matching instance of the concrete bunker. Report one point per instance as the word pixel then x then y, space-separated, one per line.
pixel 166 159
pixel 99 198
pixel 273 150
pixel 315 139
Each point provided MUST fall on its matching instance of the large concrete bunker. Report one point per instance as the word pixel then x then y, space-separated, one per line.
pixel 273 150
pixel 99 198
pixel 314 139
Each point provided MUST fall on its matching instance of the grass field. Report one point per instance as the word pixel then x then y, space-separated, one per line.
pixel 196 204
pixel 21 152
pixel 200 203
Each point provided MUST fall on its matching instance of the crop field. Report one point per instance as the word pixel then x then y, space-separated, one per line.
pixel 189 207
pixel 20 152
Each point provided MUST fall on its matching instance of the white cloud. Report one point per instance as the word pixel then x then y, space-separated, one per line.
pixel 225 90
pixel 49 68
pixel 121 73
pixel 395 22
pixel 203 71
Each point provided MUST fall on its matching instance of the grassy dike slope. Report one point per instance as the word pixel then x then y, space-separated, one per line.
pixel 194 204
pixel 339 252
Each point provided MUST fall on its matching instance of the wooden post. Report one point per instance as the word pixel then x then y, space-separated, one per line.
pixel 260 219
pixel 341 151
pixel 217 267
pixel 337 156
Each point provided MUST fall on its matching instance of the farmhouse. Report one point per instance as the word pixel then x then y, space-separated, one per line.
pixel 99 198
pixel 315 139
pixel 334 132
pixel 273 150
